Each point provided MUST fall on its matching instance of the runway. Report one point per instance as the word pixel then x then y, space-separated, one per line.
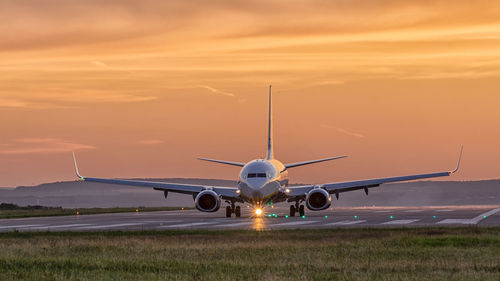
pixel 273 218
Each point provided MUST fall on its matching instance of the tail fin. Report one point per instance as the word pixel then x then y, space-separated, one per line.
pixel 270 153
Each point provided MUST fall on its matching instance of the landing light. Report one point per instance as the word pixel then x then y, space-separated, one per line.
pixel 287 190
pixel 258 211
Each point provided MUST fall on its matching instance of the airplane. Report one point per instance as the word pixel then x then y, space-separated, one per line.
pixel 265 181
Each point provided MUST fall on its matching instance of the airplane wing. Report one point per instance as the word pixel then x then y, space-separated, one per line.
pixel 339 187
pixel 225 192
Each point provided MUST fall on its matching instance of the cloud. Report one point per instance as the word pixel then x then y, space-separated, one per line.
pixel 24 104
pixel 106 97
pixel 13 103
pixel 349 133
pixel 58 98
pixel 150 142
pixel 344 131
pixel 217 91
pixel 41 146
pixel 327 82
pixel 177 42
pixel 99 64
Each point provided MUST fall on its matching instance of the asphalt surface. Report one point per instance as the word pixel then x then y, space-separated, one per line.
pixel 273 218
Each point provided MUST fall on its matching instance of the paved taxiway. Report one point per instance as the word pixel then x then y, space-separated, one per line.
pixel 274 218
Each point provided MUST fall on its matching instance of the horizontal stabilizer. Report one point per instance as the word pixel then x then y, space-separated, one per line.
pixel 297 164
pixel 223 162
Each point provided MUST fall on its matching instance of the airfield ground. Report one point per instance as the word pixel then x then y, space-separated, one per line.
pixel 9 211
pixel 369 243
pixel 273 218
pixel 437 253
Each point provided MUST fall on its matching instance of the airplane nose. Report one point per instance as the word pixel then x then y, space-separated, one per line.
pixel 256 185
pixel 256 194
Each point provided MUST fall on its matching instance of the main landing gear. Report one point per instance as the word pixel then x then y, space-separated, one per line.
pixel 294 209
pixel 233 209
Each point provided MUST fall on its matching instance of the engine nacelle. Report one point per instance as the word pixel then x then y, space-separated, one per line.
pixel 318 199
pixel 207 201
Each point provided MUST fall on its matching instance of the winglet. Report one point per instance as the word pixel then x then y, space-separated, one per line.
pixel 459 160
pixel 76 168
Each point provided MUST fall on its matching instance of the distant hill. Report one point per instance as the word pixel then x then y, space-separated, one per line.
pixel 73 194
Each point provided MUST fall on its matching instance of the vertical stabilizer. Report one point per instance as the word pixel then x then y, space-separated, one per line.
pixel 270 154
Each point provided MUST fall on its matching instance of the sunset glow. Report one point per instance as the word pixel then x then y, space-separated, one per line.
pixel 141 88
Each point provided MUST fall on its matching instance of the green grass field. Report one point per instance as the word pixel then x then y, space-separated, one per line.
pixel 9 211
pixel 467 253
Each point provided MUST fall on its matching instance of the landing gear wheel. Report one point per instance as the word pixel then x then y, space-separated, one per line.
pixel 228 212
pixel 292 211
pixel 237 211
pixel 301 210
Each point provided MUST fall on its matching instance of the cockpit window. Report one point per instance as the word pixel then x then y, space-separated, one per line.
pixel 256 175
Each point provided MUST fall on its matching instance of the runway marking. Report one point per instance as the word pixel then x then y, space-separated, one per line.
pixel 234 224
pixel 445 210
pixel 161 221
pixel 383 211
pixel 60 226
pixel 346 222
pixel 187 224
pixel 414 211
pixel 293 223
pixel 400 221
pixel 474 220
pixel 20 226
pixel 108 225
pixel 456 221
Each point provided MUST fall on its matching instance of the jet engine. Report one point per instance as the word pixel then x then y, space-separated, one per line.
pixel 207 201
pixel 318 199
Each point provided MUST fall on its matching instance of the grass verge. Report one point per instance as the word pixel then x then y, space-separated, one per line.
pixel 40 211
pixel 468 253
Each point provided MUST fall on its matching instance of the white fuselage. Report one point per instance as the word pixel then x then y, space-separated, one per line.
pixel 262 181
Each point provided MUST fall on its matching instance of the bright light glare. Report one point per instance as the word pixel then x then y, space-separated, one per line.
pixel 258 211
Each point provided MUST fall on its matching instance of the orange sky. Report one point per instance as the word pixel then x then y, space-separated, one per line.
pixel 141 88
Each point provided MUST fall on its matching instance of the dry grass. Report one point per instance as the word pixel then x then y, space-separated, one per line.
pixel 343 254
